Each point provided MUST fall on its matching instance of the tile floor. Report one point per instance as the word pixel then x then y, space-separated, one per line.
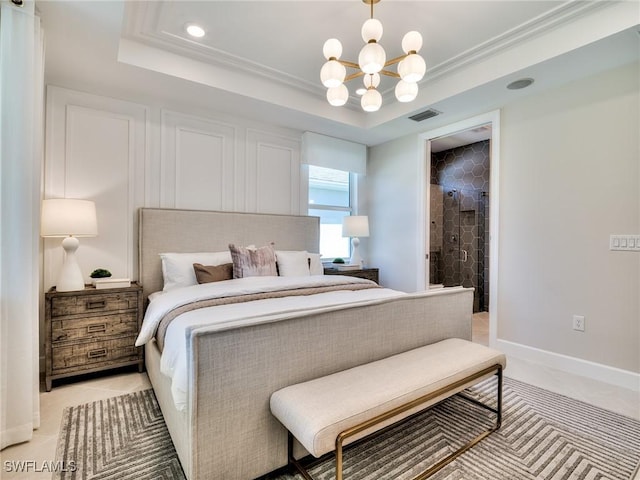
pixel 43 445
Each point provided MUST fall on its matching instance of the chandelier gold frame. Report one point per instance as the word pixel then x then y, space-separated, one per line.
pixel 393 61
pixel 372 61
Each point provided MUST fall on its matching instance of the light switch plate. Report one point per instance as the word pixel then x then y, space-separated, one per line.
pixel 627 243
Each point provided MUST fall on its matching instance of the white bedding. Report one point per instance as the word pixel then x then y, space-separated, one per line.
pixel 174 357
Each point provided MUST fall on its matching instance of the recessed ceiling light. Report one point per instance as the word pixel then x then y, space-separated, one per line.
pixel 518 84
pixel 361 91
pixel 195 30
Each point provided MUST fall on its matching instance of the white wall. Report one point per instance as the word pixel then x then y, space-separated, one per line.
pixel 126 155
pixel 569 177
pixel 395 196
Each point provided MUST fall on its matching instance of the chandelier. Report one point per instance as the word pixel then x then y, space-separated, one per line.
pixel 372 62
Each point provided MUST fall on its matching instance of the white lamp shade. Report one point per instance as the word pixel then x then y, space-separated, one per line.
pixel 332 74
pixel 406 92
pixel 62 217
pixel 412 68
pixel 412 41
pixel 371 30
pixel 338 96
pixel 355 226
pixel 371 101
pixel 372 58
pixel 332 48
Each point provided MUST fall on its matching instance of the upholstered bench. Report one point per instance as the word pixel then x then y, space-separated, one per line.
pixel 330 412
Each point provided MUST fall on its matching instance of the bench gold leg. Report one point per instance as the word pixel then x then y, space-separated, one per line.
pixel 343 436
pixel 293 461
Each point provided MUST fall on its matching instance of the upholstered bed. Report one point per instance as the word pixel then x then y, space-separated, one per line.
pixel 225 429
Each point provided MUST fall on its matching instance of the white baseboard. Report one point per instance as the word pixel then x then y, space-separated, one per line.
pixel 577 366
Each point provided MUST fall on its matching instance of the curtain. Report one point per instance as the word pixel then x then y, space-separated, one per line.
pixel 21 140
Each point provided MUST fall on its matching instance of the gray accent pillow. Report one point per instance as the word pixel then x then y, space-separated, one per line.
pixel 250 262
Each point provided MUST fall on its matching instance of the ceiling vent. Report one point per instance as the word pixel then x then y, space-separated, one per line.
pixel 418 117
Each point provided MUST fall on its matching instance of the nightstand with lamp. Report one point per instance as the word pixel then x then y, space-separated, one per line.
pixel 355 226
pixel 86 329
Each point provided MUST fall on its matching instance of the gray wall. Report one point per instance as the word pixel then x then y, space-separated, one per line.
pixel 569 177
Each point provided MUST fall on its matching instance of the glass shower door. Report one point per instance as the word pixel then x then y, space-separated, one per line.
pixel 444 245
pixel 456 248
pixel 452 239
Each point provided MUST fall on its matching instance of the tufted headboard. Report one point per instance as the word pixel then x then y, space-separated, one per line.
pixel 173 230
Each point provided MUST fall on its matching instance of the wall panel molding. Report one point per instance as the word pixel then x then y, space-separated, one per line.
pixel 273 173
pixel 97 149
pixel 197 163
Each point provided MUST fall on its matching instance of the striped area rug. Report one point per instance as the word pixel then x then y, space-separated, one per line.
pixel 120 438
pixel 544 436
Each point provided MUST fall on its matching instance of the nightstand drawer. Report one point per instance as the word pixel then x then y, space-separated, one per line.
pixel 86 304
pixel 366 273
pixel 88 355
pixel 91 330
pixel 95 327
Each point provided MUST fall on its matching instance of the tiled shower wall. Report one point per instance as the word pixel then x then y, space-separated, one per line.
pixel 460 211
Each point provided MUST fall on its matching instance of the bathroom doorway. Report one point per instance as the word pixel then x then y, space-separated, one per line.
pixel 459 212
pixel 491 214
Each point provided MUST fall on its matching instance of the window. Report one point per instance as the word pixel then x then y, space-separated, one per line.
pixel 330 199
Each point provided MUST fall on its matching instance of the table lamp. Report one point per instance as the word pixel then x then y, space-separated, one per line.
pixel 69 218
pixel 355 226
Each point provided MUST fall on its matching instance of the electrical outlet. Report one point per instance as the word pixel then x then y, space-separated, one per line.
pixel 578 323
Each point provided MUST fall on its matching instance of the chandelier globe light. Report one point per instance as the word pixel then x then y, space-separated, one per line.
pixel 412 68
pixel 372 58
pixel 332 49
pixel 372 61
pixel 371 30
pixel 411 42
pixel 406 92
pixel 338 96
pixel 371 100
pixel 332 74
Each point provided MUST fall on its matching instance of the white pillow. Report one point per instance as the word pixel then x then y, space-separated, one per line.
pixel 177 268
pixel 293 263
pixel 316 266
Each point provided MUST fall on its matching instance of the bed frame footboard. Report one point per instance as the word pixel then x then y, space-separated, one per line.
pixel 231 431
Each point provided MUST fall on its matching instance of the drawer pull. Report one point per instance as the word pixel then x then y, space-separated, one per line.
pixel 62 336
pixel 101 352
pixel 96 304
pixel 97 328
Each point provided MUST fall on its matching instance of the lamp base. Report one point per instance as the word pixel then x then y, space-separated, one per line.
pixel 70 277
pixel 355 254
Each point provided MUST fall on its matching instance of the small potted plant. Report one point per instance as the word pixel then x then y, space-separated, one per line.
pixel 100 273
pixel 102 279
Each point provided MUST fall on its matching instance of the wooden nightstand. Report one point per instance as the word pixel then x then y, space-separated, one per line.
pixel 91 330
pixel 368 273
